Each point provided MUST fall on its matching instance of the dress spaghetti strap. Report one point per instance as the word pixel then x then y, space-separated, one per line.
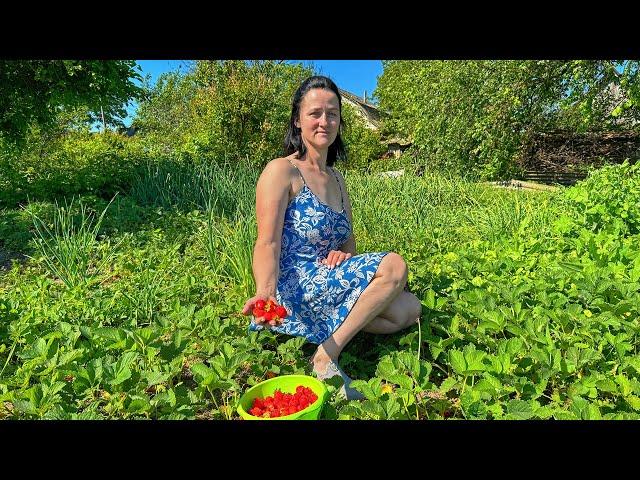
pixel 334 174
pixel 299 172
pixel 339 186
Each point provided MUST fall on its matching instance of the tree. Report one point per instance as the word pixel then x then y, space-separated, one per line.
pixel 474 117
pixel 363 144
pixel 220 110
pixel 36 91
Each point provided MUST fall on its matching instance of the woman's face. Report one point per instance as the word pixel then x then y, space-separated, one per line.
pixel 319 118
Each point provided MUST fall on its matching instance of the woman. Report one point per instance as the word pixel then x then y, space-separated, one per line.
pixel 305 254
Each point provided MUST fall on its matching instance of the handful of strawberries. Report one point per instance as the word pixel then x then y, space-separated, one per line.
pixel 270 312
pixel 281 404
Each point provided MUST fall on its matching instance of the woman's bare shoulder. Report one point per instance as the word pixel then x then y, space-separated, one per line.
pixel 278 172
pixel 280 163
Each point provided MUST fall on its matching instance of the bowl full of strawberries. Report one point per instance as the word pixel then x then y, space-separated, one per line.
pixel 286 397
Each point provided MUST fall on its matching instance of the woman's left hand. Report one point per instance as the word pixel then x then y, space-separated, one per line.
pixel 335 258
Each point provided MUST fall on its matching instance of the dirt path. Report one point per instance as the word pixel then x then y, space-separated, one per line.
pixel 522 185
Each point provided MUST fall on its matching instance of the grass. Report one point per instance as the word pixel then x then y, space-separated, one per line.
pixel 224 189
pixel 229 249
pixel 69 247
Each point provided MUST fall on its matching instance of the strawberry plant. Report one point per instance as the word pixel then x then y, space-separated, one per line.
pixel 527 317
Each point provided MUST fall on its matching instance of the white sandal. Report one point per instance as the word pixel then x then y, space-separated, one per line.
pixel 333 369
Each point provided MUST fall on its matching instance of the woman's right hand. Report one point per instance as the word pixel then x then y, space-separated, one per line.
pixel 250 304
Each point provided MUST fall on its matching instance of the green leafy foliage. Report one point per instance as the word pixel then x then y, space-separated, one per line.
pixel 608 199
pixel 363 144
pixel 474 117
pixel 34 92
pixel 66 161
pixel 220 111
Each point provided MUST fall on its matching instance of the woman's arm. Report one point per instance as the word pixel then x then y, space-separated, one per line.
pixel 350 245
pixel 272 197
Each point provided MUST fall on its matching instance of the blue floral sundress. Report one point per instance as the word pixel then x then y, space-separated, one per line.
pixel 317 298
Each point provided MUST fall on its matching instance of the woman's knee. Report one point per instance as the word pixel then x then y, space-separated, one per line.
pixel 394 269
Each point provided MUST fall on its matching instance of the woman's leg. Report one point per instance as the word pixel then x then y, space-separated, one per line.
pixel 385 286
pixel 402 312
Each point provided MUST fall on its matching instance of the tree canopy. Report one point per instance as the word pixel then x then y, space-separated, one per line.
pixel 474 116
pixel 34 92
pixel 220 109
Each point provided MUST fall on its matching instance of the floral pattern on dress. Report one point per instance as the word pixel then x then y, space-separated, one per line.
pixel 317 298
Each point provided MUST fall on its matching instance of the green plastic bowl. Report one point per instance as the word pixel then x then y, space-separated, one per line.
pixel 286 384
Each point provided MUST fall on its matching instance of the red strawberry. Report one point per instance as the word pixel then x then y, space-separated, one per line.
pixel 269 306
pixel 281 311
pixel 259 304
pixel 256 412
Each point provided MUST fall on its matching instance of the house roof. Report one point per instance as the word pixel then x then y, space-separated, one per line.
pixel 357 99
pixel 367 110
pixel 371 115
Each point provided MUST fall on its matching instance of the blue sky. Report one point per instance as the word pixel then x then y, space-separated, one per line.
pixel 355 76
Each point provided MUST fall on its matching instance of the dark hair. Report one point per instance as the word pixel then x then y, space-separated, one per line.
pixel 293 140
